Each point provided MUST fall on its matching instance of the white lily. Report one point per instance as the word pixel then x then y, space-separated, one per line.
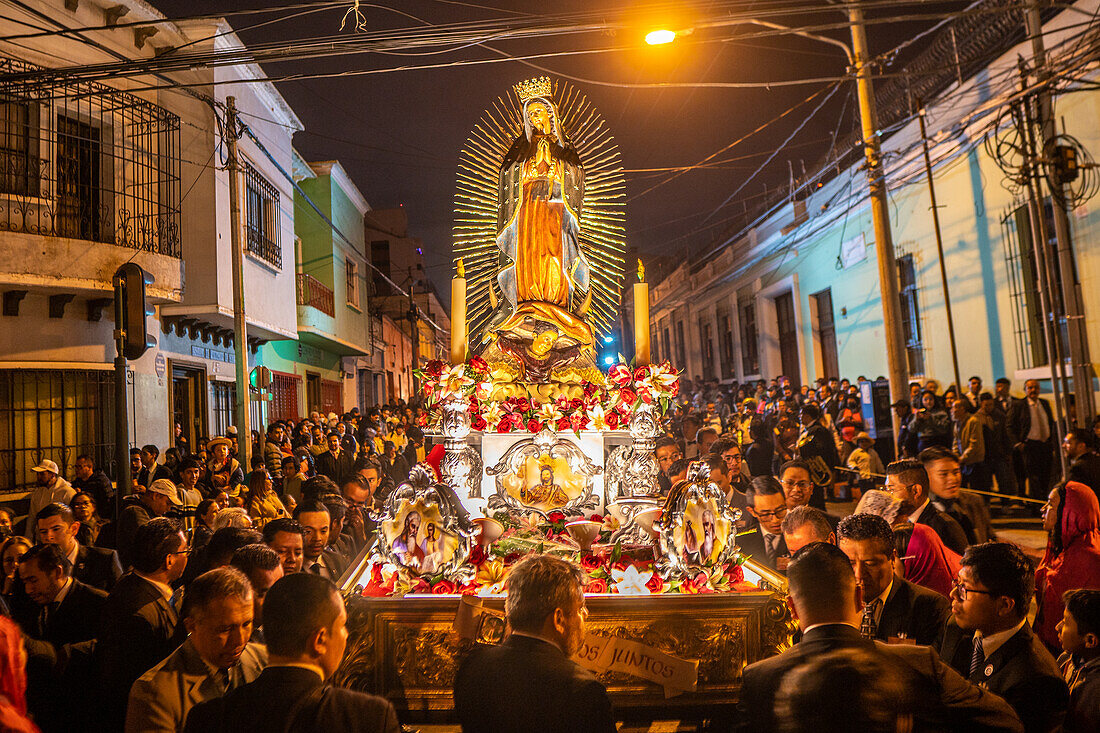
pixel 631 582
pixel 548 413
pixel 597 418
pixel 493 414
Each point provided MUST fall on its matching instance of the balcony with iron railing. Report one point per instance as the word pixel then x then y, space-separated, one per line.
pixel 313 293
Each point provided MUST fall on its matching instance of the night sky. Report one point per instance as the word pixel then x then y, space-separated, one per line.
pixel 399 133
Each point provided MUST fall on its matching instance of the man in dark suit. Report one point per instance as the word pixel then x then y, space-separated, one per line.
pixel 818 449
pixel 529 684
pixel 92 566
pixel 805 525
pixel 988 638
pixel 150 469
pixel 61 625
pixel 317 558
pixel 305 627
pixel 768 505
pixel 141 618
pixel 87 478
pixel 415 452
pixel 894 609
pixel 908 481
pixel 798 487
pixel 335 463
pixel 825 599
pixel 1031 424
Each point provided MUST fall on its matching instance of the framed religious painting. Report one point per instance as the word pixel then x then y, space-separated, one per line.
pixel 544 474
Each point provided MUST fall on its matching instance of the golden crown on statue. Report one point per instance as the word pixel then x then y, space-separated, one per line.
pixel 537 87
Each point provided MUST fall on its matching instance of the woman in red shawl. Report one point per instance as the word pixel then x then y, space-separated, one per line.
pixel 13 680
pixel 924 559
pixel 1072 560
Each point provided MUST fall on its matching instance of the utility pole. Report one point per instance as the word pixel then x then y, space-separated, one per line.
pixel 122 423
pixel 414 328
pixel 1069 286
pixel 939 249
pixel 896 358
pixel 240 331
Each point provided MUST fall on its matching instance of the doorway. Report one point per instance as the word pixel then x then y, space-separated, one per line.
pixel 189 402
pixel 825 333
pixel 788 338
pixel 313 394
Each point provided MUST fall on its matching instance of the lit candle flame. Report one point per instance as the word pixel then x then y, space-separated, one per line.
pixel 641 272
pixel 462 268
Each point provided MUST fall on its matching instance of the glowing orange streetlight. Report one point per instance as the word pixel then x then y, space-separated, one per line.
pixel 661 37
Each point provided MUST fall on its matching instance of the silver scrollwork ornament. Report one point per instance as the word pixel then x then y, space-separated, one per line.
pixel 544 443
pixel 698 527
pixel 462 465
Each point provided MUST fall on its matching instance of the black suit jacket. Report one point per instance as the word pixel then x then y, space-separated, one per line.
pixel 1021 671
pixel 97 567
pixel 527 685
pixel 1019 421
pixel 947 528
pixel 335 467
pixel 77 619
pixel 159 470
pixel 139 630
pixel 945 701
pixel 292 700
pixel 916 612
pixel 752 544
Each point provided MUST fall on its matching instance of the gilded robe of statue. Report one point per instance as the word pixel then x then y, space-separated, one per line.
pixel 544 275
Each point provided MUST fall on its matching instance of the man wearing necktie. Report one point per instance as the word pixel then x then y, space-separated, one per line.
pixel 989 641
pixel 216 658
pixel 316 522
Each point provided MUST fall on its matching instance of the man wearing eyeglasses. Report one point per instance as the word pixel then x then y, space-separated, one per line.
pixel 765 543
pixel 798 487
pixel 988 639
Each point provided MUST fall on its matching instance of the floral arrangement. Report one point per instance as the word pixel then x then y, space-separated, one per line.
pixel 610 568
pixel 606 406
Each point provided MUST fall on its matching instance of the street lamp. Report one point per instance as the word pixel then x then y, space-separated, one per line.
pixel 658 38
pixel 857 56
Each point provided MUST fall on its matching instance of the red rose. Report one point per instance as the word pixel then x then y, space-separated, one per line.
pixel 534 425
pixel 641 373
pixel 596 585
pixel 555 517
pixel 435 369
pixel 443 588
pixel 595 518
pixel 477 555
pixel 620 375
pixel 420 586
pixel 612 420
pixel 505 425
pixel 655 583
pixel 523 404
pixel 470 589
pixel 577 422
pixel 564 423
pixel 512 557
pixel 591 562
pixel 628 396
pixel 576 403
pixel 698 584
pixel 478 423
pixel 620 565
pixel 478 364
pixel 590 389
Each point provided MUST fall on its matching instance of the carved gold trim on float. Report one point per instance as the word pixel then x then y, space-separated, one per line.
pixel 406 650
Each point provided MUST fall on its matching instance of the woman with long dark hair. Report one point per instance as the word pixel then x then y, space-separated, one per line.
pixel 1071 518
pixel 263 503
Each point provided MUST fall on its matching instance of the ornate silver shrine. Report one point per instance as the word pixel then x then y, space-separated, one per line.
pixel 698 528
pixel 544 444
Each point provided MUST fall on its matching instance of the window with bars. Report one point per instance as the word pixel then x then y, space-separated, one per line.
pixel 1023 285
pixel 262 217
pixel 352 276
pixel 750 341
pixel 83 160
pixel 56 415
pixel 225 406
pixel 910 314
pixel 20 164
pixel 284 396
pixel 708 349
pixel 666 345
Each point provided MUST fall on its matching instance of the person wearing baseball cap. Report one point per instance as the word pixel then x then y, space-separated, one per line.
pixel 50 487
pixel 153 502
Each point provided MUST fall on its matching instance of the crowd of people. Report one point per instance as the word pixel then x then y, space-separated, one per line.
pixel 205 600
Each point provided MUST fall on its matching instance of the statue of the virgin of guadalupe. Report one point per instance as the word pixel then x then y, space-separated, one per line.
pixel 543 275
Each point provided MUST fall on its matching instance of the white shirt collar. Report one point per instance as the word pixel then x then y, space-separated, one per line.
pixel 920 510
pixel 64 591
pixel 993 642
pixel 808 629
